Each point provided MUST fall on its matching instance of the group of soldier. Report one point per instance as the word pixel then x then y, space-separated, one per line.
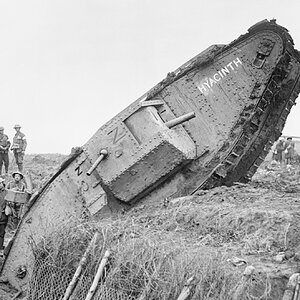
pixel 11 210
pixel 18 148
pixel 284 149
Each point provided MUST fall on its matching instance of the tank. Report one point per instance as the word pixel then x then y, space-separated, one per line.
pixel 210 122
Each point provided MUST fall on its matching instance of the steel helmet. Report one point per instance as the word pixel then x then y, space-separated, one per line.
pixel 17 172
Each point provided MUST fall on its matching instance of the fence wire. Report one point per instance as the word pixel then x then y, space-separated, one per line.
pixel 50 281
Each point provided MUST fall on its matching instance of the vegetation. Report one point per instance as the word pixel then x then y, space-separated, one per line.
pixel 240 242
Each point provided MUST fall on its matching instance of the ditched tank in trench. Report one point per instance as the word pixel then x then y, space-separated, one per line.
pixel 210 122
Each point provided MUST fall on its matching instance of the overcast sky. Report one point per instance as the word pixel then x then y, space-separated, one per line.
pixel 68 66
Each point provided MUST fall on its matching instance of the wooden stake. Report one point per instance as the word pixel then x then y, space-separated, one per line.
pixel 17 295
pixel 82 263
pixel 296 293
pixel 98 275
pixel 187 289
pixel 291 287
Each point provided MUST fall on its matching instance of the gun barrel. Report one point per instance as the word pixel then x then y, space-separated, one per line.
pixel 180 119
pixel 103 154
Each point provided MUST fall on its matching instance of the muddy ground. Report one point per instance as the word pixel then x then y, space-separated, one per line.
pixel 255 224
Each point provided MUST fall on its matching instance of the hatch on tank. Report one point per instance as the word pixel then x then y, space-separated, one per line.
pixel 142 150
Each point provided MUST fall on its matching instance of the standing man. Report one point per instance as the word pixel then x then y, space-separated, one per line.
pixel 289 150
pixel 279 149
pixel 4 147
pixel 19 146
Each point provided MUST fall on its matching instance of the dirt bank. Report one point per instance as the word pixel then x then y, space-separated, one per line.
pixel 238 242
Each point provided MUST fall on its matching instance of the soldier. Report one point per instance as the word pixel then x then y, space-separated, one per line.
pixel 4 213
pixel 289 150
pixel 279 150
pixel 19 146
pixel 4 147
pixel 17 185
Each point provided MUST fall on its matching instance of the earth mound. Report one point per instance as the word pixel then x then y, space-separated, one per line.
pixel 239 242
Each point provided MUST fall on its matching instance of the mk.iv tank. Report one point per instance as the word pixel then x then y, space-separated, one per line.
pixel 210 122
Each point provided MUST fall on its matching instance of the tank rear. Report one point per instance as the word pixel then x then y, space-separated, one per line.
pixel 210 122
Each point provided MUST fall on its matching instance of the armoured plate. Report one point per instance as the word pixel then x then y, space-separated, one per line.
pixel 141 151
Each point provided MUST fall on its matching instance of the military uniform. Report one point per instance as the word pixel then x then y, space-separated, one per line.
pixel 4 147
pixel 18 147
pixel 289 150
pixel 3 216
pixel 279 149
pixel 17 186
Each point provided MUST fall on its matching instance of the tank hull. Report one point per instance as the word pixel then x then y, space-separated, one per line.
pixel 210 122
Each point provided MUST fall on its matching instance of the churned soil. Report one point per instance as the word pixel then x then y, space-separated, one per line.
pixel 251 230
pixel 255 224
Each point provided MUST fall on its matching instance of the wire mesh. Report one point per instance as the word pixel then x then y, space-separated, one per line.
pixel 137 269
pixel 48 281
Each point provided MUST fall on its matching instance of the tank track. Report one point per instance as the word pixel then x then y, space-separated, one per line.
pixel 259 133
pixel 207 58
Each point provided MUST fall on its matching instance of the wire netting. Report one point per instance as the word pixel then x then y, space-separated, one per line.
pixel 56 261
pixel 48 282
pixel 145 266
pixel 136 268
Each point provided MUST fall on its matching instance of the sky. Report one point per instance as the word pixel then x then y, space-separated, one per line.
pixel 69 66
